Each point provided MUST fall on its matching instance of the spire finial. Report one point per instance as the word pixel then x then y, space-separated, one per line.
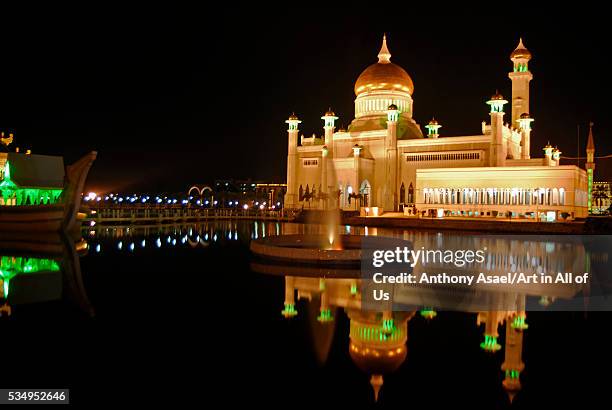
pixel 521 52
pixel 384 56
pixel 591 140
pixel 376 381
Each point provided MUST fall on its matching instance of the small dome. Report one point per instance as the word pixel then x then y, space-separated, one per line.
pixel 433 122
pixel 520 52
pixel 330 113
pixel 392 107
pixel 497 96
pixel 384 75
pixel 525 116
pixel 293 117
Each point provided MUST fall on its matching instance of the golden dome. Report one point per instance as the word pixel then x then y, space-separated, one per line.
pixel 330 113
pixel 520 52
pixel 384 75
pixel 433 122
pixel 293 117
pixel 524 116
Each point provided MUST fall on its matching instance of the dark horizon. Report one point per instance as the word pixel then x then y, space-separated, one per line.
pixel 173 99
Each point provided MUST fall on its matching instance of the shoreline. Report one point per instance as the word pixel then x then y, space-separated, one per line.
pixel 592 225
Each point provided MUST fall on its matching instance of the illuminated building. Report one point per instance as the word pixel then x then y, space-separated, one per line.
pixel 383 162
pixel 229 192
pixel 27 179
pixel 601 197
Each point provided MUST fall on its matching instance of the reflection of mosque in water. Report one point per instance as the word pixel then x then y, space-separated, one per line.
pixel 379 334
pixel 41 269
pixel 378 340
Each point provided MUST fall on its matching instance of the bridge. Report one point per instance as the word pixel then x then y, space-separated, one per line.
pixel 167 213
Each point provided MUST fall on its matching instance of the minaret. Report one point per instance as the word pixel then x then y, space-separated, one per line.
pixel 432 128
pixel 520 77
pixel 590 165
pixel 525 126
pixel 291 197
pixel 513 364
pixel 556 156
pixel 498 152
pixel 391 198
pixel 329 126
pixel 548 150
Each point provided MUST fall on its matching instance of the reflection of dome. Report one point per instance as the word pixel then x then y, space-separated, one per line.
pixel 392 107
pixel 384 75
pixel 374 360
pixel 378 345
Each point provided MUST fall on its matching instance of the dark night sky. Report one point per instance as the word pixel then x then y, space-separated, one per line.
pixel 175 97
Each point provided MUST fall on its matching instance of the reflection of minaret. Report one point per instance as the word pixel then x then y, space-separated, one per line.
pixel 378 343
pixel 322 333
pixel 513 364
pixel 289 310
pixel 325 313
pixel 492 320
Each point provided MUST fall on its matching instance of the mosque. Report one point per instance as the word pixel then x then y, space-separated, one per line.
pixel 384 162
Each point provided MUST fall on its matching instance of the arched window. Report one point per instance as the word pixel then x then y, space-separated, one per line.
pixel 561 196
pixel 410 194
pixel 402 196
pixel 301 194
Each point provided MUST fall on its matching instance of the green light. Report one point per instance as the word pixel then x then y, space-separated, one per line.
pixel 7 171
pixel 428 313
pixel 388 325
pixel 325 316
pixel 513 374
pixel 11 266
pixel 519 323
pixel 5 288
pixel 27 196
pixel 289 310
pixel 490 344
pixel 353 289
pixel 590 182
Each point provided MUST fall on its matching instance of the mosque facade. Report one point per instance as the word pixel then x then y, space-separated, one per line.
pixel 385 162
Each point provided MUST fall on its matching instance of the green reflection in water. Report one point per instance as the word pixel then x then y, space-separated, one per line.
pixel 11 266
